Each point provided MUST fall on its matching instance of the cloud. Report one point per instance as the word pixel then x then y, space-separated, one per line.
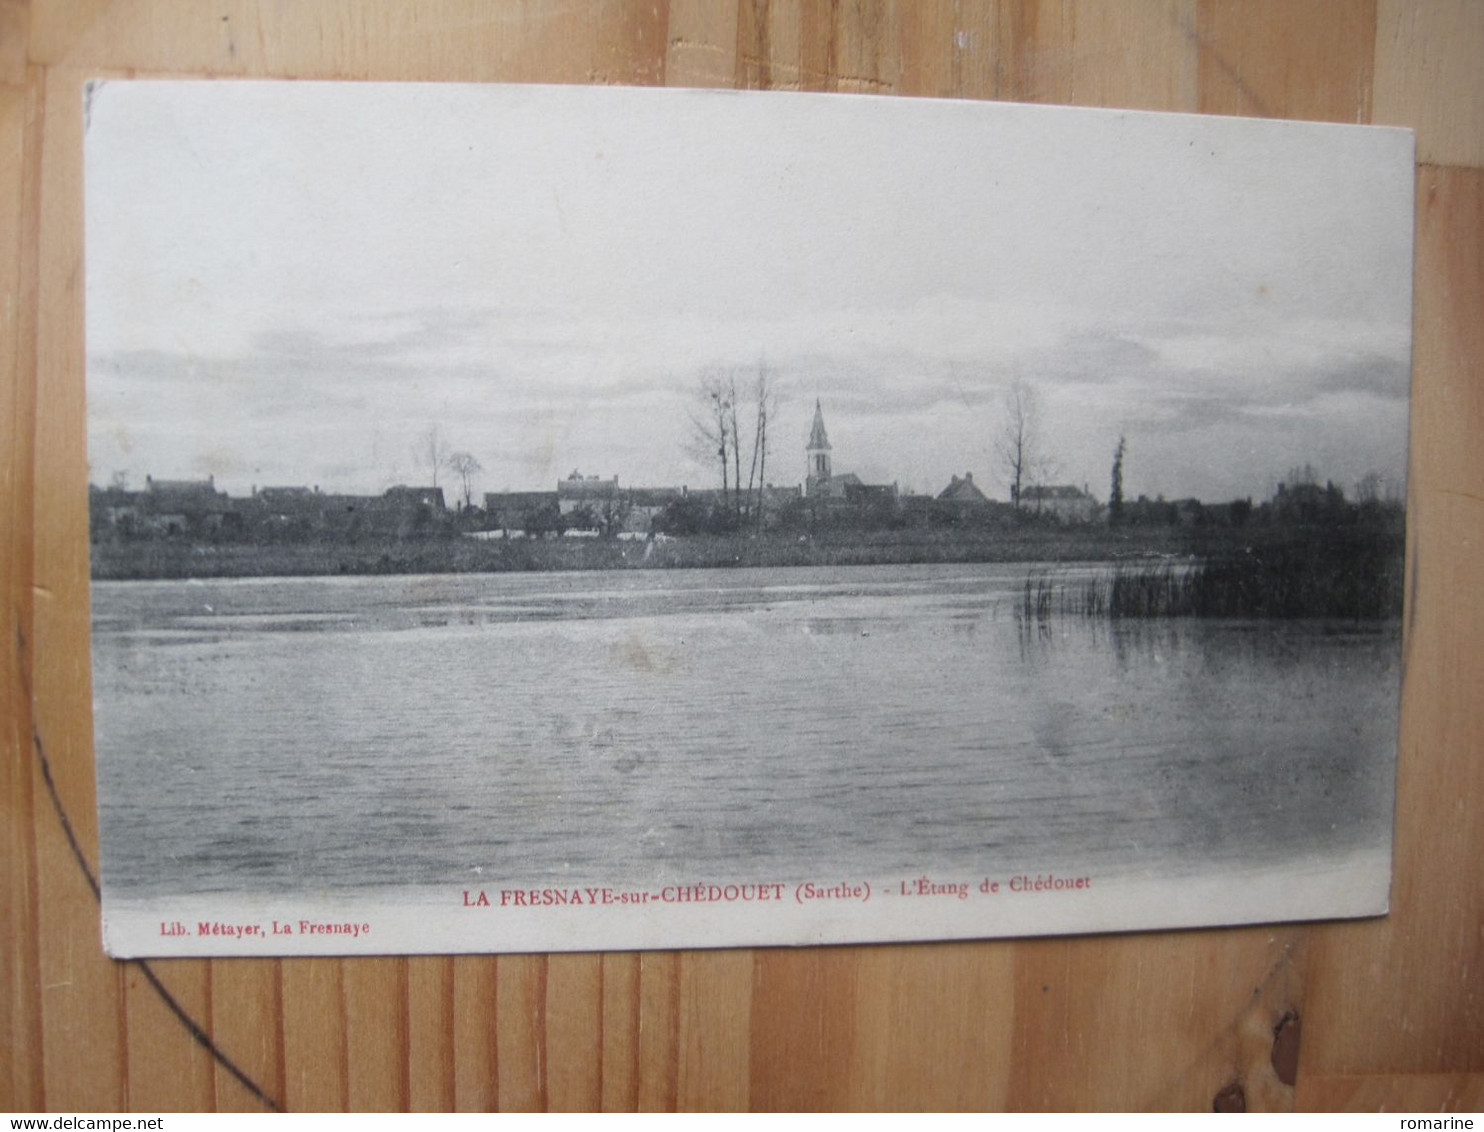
pixel 1375 375
pixel 913 394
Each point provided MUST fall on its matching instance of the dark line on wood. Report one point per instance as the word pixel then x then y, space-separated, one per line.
pixel 1230 71
pixel 61 811
pixel 201 1037
pixel 211 1021
pixel 282 1060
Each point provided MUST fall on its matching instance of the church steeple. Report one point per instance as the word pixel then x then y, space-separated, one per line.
pixel 817 438
pixel 817 452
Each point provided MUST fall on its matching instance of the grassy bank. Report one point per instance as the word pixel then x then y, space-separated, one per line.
pixel 181 558
pixel 1160 572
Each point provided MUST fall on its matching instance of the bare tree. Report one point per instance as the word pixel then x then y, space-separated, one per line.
pixel 765 407
pixel 736 449
pixel 1302 475
pixel 714 421
pixel 1115 493
pixel 430 451
pixel 1017 447
pixel 719 422
pixel 466 467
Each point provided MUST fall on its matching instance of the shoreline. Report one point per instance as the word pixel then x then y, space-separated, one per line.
pixel 1274 571
pixel 180 559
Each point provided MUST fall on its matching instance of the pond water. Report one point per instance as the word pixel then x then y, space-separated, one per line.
pixel 641 727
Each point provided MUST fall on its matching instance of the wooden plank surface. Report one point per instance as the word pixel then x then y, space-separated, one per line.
pixel 1434 933
pixel 1391 1010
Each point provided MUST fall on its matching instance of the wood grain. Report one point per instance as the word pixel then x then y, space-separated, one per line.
pixel 476 1062
pixel 1392 1009
pixel 1272 59
pixel 1422 1092
pixel 1427 76
pixel 83 995
pixel 378 1057
pixel 20 965
pixel 164 1060
pixel 1436 927
pixel 247 1023
pixel 520 1029
pixel 430 1034
pixel 315 1036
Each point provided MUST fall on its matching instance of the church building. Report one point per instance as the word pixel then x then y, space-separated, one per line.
pixel 820 480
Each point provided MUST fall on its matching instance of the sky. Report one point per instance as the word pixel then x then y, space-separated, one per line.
pixel 292 283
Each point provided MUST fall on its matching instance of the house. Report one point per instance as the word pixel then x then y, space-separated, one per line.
pixel 174 507
pixel 877 499
pixel 184 493
pixel 593 492
pixel 834 487
pixel 960 504
pixel 285 512
pixel 404 511
pixel 963 491
pixel 592 503
pixel 113 510
pixel 516 510
pixel 413 498
pixel 1063 502
pixel 646 504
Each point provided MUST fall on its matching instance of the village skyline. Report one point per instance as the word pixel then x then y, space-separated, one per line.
pixel 312 294
pixel 786 468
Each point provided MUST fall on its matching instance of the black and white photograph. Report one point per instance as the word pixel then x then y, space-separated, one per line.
pixel 539 518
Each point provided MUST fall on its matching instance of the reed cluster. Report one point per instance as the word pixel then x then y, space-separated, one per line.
pixel 1347 580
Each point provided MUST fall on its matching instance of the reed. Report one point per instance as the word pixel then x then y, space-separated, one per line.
pixel 1348 579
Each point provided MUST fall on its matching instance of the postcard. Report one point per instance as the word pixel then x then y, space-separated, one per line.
pixel 531 518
